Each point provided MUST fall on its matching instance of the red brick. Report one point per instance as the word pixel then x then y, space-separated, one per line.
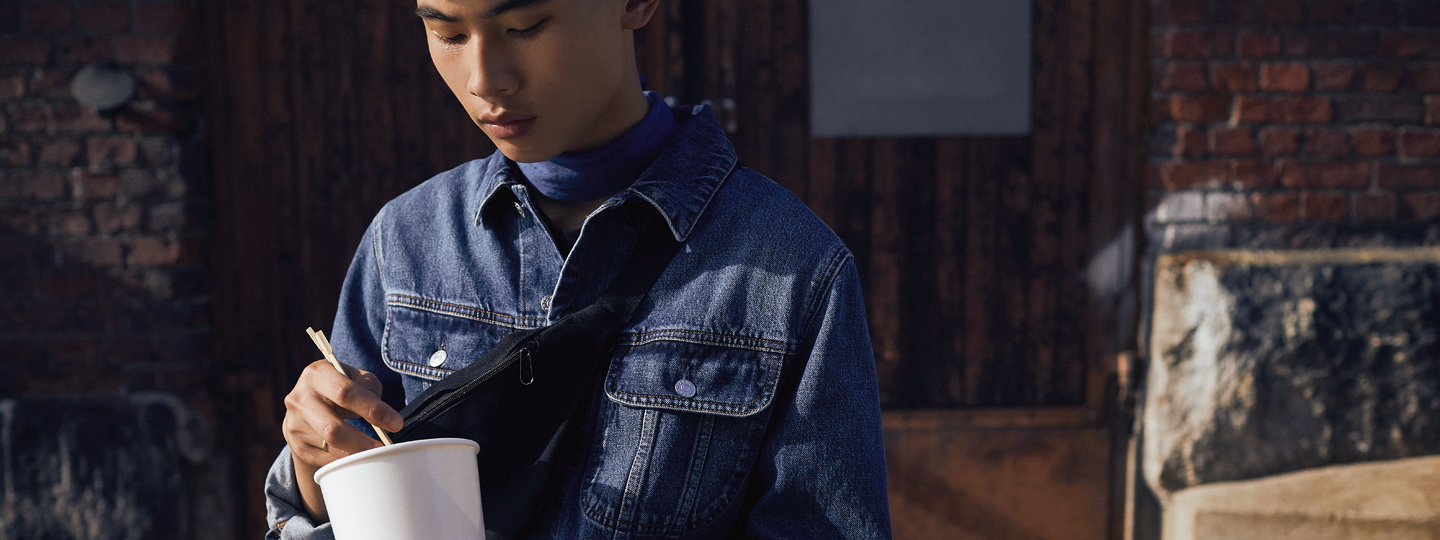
pixel 1234 77
pixel 59 152
pixel 1326 143
pixel 156 152
pixel 90 186
pixel 1432 110
pixel 1333 75
pixel 1324 206
pixel 85 50
pixel 145 49
pixel 69 222
pixel 14 152
pixel 1331 43
pixel 1193 174
pixel 55 118
pixel 1284 76
pixel 1423 76
pixel 1373 141
pixel 1419 207
pixel 152 251
pixel 50 83
pixel 105 152
pixel 19 220
pixel 163 17
pixel 1223 206
pixel 1374 207
pixel 150 184
pixel 1198 109
pixel 106 17
pixel 24 50
pixel 167 216
pixel 1379 107
pixel 1232 141
pixel 33 318
pixel 1381 77
pixel 1419 143
pixel 1414 44
pixel 1275 207
pixel 110 218
pixel 1279 140
pixel 152 118
pixel 1181 76
pixel 39 185
pixel 1310 175
pixel 1179 141
pixel 1281 12
pixel 1258 44
pixel 13 86
pixel 95 251
pixel 1252 174
pixel 48 17
pixel 1395 175
pixel 1195 43
pixel 1286 109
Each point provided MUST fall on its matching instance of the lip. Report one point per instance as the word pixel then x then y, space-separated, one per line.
pixel 507 125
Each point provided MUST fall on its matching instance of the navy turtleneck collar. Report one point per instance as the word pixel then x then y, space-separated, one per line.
pixel 609 170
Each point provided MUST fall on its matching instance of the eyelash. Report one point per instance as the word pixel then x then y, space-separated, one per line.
pixel 519 33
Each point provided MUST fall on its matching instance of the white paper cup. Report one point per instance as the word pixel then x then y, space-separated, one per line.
pixel 417 490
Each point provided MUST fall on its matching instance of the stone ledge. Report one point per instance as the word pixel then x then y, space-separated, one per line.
pixel 1392 500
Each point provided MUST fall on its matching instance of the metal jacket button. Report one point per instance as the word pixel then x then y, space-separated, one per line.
pixel 545 303
pixel 437 358
pixel 685 388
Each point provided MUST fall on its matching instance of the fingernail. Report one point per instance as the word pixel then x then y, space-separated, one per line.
pixel 395 422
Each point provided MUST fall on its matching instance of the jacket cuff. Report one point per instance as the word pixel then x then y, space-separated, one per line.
pixel 285 508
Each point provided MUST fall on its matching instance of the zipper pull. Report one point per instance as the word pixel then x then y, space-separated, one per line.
pixel 527 368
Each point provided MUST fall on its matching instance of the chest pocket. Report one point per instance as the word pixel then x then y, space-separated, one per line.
pixel 425 343
pixel 677 436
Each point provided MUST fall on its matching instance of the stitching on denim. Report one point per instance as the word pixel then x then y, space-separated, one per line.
pixel 461 315
pixel 703 342
pixel 459 306
pixel 769 389
pixel 642 335
pixel 401 367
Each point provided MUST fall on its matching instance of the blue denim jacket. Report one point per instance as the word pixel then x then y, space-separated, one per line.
pixel 740 401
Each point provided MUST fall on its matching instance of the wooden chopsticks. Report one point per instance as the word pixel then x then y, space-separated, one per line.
pixel 324 345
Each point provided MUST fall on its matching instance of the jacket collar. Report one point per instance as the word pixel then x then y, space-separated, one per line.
pixel 679 184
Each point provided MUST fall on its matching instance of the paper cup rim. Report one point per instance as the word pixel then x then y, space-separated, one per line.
pixel 396 448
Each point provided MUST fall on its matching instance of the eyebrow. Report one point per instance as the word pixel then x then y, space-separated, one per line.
pixel 508 5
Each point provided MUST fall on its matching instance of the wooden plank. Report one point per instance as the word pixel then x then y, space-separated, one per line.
pixel 986 484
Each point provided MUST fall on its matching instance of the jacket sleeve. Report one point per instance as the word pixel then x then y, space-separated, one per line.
pixel 359 327
pixel 821 471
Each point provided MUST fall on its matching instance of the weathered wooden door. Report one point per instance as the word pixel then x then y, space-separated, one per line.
pixel 997 269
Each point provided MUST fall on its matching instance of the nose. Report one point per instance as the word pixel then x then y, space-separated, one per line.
pixel 490 72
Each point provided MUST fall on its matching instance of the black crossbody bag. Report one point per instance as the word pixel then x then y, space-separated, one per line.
pixel 520 398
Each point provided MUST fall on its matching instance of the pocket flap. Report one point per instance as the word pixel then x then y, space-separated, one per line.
pixel 414 338
pixel 695 377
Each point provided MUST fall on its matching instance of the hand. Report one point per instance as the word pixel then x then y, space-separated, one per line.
pixel 315 427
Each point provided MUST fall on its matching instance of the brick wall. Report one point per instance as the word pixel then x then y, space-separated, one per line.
pixel 1295 112
pixel 103 280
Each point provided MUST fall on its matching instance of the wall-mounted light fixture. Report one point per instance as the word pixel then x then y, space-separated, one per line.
pixel 103 87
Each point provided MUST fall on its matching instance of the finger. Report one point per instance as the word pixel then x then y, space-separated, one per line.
pixel 367 380
pixel 329 433
pixel 355 398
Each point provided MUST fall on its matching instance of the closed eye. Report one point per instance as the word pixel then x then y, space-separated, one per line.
pixel 527 32
pixel 449 39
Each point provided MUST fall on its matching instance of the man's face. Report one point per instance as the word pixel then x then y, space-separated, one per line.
pixel 540 77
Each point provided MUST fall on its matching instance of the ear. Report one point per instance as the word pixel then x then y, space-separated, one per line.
pixel 637 13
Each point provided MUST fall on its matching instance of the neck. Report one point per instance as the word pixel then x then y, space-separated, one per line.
pixel 571 185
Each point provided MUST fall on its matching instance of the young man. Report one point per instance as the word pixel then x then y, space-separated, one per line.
pixel 740 399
